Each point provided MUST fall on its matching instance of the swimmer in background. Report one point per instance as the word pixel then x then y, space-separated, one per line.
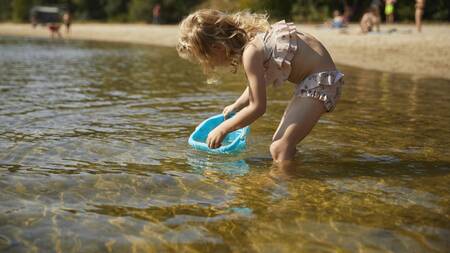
pixel 269 54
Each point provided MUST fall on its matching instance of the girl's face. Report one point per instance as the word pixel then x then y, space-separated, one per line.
pixel 219 56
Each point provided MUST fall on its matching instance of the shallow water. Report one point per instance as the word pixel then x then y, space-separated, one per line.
pixel 94 158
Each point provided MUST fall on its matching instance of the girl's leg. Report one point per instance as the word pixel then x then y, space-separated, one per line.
pixel 300 116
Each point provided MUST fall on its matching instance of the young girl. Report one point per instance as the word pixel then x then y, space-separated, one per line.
pixel 269 54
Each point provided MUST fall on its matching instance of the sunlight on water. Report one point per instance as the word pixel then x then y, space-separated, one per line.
pixel 94 158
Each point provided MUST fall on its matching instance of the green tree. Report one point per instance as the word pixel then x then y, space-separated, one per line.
pixel 21 9
pixel 90 9
pixel 171 10
pixel 141 10
pixel 276 9
pixel 117 10
pixel 5 11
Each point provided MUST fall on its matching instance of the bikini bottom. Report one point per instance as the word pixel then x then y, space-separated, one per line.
pixel 324 86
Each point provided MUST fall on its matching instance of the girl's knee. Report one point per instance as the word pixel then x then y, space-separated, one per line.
pixel 282 150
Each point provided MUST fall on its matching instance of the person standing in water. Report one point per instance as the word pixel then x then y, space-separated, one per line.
pixel 269 54
pixel 420 5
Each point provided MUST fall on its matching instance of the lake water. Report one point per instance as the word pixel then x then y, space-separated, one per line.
pixel 94 158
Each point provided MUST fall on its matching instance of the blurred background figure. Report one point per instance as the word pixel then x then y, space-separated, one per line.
pixel 420 5
pixel 389 11
pixel 376 5
pixel 67 20
pixel 369 21
pixel 348 12
pixel 338 20
pixel 54 30
pixel 156 14
pixel 33 20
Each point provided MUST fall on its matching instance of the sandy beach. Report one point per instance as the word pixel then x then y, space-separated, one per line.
pixel 425 54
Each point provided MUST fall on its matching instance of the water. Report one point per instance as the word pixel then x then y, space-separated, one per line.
pixel 94 158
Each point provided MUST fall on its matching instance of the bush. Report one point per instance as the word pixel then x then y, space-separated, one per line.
pixel 20 10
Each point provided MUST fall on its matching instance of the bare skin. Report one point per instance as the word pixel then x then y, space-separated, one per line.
pixel 368 21
pixel 300 115
pixel 420 4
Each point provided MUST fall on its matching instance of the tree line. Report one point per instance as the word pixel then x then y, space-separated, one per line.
pixel 172 11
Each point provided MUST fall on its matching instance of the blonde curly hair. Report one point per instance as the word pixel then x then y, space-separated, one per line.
pixel 203 28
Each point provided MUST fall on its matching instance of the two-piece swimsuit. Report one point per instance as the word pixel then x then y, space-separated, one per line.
pixel 280 45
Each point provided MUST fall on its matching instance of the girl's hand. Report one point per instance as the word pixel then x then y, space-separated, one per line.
pixel 229 109
pixel 215 137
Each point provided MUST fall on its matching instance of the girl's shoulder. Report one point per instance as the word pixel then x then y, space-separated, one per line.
pixel 255 45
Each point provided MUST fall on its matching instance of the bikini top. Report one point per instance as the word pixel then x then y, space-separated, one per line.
pixel 280 45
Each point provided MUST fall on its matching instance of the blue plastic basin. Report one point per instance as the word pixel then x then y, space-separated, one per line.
pixel 234 142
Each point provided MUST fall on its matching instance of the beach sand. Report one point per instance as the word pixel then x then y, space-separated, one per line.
pixel 425 54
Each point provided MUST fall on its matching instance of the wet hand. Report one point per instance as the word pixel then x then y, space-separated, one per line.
pixel 215 137
pixel 228 110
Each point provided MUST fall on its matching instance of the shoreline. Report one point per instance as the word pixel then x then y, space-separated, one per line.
pixel 402 50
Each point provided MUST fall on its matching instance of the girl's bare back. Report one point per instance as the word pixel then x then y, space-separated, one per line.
pixel 311 57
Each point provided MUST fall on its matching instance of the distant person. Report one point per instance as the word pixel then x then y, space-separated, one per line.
pixel 156 14
pixel 420 5
pixel 54 30
pixel 376 5
pixel 33 17
pixel 67 20
pixel 269 55
pixel 389 11
pixel 34 21
pixel 338 20
pixel 348 12
pixel 369 21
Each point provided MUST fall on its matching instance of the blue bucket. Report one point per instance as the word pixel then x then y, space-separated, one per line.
pixel 234 142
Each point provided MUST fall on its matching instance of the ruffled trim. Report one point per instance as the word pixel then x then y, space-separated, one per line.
pixel 310 87
pixel 327 101
pixel 321 78
pixel 284 49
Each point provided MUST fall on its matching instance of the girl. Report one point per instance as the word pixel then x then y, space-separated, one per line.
pixel 269 54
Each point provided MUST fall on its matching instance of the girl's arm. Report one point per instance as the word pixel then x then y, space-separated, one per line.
pixel 252 60
pixel 242 101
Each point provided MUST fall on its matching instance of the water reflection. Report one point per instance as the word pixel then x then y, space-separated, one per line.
pixel 203 164
pixel 94 158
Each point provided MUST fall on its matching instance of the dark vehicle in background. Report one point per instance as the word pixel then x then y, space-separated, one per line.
pixel 42 15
